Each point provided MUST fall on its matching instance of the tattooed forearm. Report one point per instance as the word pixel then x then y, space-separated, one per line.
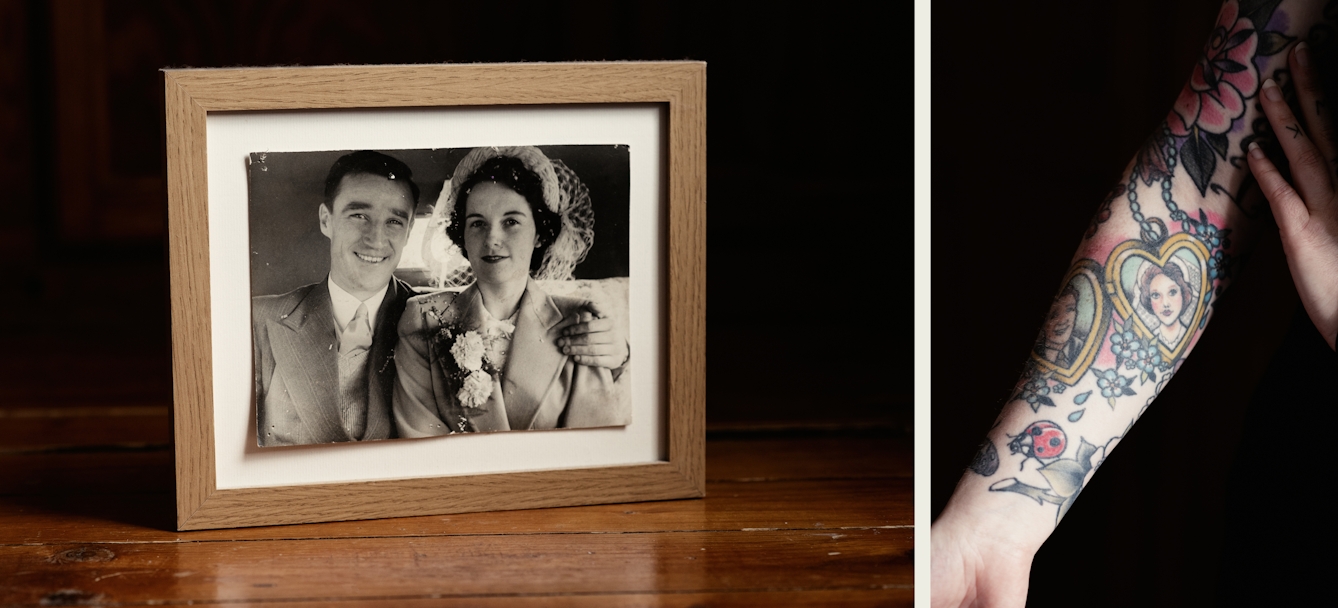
pixel 1148 274
pixel 1146 279
pixel 1117 329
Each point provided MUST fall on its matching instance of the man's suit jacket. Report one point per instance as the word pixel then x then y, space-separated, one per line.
pixel 297 366
pixel 541 389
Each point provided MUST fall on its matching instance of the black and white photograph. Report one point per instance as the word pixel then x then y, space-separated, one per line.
pixel 428 292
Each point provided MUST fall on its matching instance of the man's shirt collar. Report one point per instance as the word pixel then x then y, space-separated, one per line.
pixel 345 305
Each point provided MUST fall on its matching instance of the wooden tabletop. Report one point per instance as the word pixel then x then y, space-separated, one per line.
pixel 790 518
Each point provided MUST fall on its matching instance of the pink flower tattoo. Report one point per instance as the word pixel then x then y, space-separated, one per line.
pixel 1222 80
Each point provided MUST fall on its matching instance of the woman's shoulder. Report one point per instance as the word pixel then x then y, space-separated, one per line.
pixel 437 298
pixel 427 310
pixel 574 296
pixel 568 304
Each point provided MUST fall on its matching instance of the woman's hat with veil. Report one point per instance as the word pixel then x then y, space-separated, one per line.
pixel 564 194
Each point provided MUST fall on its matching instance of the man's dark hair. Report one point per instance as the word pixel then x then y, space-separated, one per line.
pixel 370 163
pixel 1068 290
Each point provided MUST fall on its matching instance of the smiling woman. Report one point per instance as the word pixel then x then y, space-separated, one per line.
pixel 501 355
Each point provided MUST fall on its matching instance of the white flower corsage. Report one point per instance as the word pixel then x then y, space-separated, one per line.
pixel 468 351
pixel 476 389
pixel 470 355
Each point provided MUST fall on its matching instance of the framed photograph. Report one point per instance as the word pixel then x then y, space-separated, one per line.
pixel 413 290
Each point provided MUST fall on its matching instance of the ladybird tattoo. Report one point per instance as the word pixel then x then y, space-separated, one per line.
pixel 1042 440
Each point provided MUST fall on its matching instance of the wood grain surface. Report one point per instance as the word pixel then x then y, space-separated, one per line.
pixel 191 94
pixel 188 266
pixel 790 519
pixel 282 88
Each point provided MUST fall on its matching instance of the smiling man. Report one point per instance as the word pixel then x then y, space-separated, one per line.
pixel 325 352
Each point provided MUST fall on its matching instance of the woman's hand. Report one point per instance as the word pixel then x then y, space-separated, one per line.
pixel 595 339
pixel 1306 209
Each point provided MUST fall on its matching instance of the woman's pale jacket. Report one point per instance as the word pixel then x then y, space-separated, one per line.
pixel 539 387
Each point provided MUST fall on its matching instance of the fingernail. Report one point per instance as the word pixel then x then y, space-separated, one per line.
pixel 1256 151
pixel 1271 90
pixel 1303 54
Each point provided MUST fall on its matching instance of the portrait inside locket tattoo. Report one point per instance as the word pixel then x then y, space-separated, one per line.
pixel 1161 290
pixel 1074 325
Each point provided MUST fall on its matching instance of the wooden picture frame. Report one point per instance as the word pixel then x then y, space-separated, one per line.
pixel 193 94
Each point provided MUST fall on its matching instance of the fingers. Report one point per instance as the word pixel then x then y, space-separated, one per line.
pixel 596 309
pixel 595 350
pixel 1314 108
pixel 589 361
pixel 593 338
pixel 603 337
pixel 592 318
pixel 1310 170
pixel 1288 208
pixel 611 356
pixel 589 327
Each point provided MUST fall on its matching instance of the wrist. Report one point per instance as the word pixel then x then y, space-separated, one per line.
pixel 1007 523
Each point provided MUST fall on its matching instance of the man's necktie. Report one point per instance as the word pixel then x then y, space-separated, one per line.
pixel 358 332
pixel 353 347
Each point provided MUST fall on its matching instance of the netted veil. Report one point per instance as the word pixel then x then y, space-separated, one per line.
pixel 563 192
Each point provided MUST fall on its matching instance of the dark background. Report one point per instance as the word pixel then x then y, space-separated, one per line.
pixel 289 251
pixel 1037 110
pixel 800 187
